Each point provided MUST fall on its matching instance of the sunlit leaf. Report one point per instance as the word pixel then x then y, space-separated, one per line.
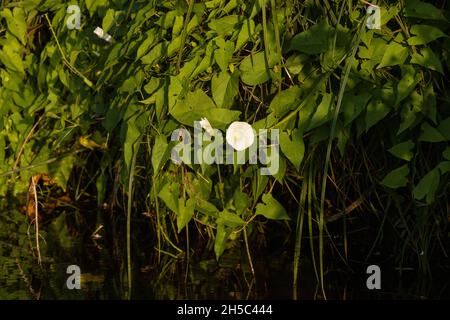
pixel 424 34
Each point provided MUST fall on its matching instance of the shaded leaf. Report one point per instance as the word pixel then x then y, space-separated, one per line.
pixel 285 101
pixel 247 31
pixel 428 59
pixel 160 153
pixel 185 213
pixel 423 10
pixel 170 193
pixel 271 209
pixel 430 134
pixel 224 88
pixel 403 150
pixel 293 147
pixel 312 41
pixel 353 103
pixel 376 110
pixel 254 69
pixel 396 178
pixel 427 186
pixel 406 85
pixel 222 234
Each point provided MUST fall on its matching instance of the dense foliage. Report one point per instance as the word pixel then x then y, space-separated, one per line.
pixel 363 115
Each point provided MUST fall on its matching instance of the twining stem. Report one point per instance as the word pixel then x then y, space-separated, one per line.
pixel 32 166
pixel 22 148
pixel 68 64
pixel 36 219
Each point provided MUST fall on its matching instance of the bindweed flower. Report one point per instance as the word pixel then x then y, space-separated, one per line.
pixel 204 123
pixel 240 135
pixel 101 34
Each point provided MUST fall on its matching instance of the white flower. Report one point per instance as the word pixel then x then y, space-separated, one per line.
pixel 204 123
pixel 240 135
pixel 101 34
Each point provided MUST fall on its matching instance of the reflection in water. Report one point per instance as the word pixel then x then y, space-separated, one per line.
pixel 67 239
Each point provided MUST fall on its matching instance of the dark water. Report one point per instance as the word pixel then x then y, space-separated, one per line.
pixel 101 258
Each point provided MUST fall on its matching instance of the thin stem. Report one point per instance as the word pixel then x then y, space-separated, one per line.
pixel 328 155
pixel 71 67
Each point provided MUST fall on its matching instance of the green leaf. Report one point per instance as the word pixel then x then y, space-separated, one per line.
pixel 108 20
pixel 312 41
pixel 429 103
pixel 157 52
pixel 271 209
pixel 198 105
pixel 423 10
pixel 93 5
pixel 322 114
pixel 222 234
pixel 230 219
pixel 410 78
pixel 241 201
pixel 61 170
pixel 185 213
pixel 247 31
pixel 223 53
pixel 225 25
pixel 293 149
pixel 207 61
pixel 254 69
pixel 424 34
pixel 444 128
pixel 376 110
pixel 444 167
pixel 296 63
pixel 16 22
pixel 259 183
pixel 430 134
pixel 224 88
pixel 20 25
pixel 428 59
pixel 427 186
pixel 397 177
pixel 285 101
pixel 170 193
pixel 146 44
pixel 403 150
pixel 394 54
pixel 177 26
pixel 353 103
pixel 205 207
pixel 410 110
pixel 11 59
pixel 446 153
pixel 160 153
